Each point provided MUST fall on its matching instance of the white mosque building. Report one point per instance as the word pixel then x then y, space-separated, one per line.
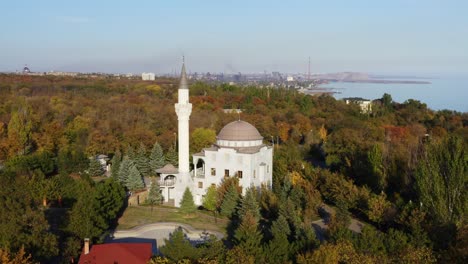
pixel 238 152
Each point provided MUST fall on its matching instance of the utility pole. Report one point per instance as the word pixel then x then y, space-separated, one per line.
pixel 308 71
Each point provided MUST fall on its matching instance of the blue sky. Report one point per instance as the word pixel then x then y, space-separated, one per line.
pixel 396 37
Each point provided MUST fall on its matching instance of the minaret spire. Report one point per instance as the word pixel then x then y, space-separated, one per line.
pixel 183 76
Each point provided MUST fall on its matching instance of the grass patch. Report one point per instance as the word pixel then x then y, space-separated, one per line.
pixel 140 215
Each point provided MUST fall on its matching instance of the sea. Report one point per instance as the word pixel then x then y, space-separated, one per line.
pixel 442 93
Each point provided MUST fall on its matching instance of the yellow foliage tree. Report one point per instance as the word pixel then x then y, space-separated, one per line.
pixel 21 257
pixel 323 133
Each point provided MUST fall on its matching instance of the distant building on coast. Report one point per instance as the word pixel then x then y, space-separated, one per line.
pixel 364 104
pixel 147 76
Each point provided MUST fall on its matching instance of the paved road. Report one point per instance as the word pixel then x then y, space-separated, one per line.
pixel 321 225
pixel 156 233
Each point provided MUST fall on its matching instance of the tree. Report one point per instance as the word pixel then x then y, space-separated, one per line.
pixel 22 223
pixel 278 247
pixel 95 168
pixel 377 207
pixel 109 199
pixel 441 180
pixel 124 170
pixel 142 161
pixel 172 157
pixel 154 194
pixel 248 237
pixel 187 206
pixel 201 138
pixel 370 241
pixel 249 204
pixel 229 202
pixel 115 164
pixel 178 247
pixel 377 171
pixel 19 131
pixel 341 252
pixel 135 180
pixel 209 201
pixel 157 159
pixel 84 221
pixel 387 101
pixel 21 257
pixel 71 160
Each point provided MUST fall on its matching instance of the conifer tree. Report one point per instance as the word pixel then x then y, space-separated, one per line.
pixel 142 161
pixel 230 201
pixel 178 247
pixel 249 204
pixel 157 159
pixel 248 237
pixel 115 164
pixel 154 194
pixel 172 157
pixel 187 205
pixel 124 170
pixel 130 152
pixel 95 168
pixel 135 180
pixel 279 247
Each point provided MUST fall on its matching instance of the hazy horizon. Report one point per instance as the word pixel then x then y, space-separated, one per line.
pixel 427 38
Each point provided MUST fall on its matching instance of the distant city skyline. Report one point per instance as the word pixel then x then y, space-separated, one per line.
pixel 388 37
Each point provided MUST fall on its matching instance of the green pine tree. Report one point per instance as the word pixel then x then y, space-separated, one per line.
pixel 154 194
pixel 172 157
pixel 248 237
pixel 110 197
pixel 135 180
pixel 95 168
pixel 157 159
pixel 178 247
pixel 124 170
pixel 230 201
pixel 279 247
pixel 130 152
pixel 115 164
pixel 187 205
pixel 249 204
pixel 142 161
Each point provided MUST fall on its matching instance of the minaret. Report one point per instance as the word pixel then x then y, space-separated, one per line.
pixel 183 109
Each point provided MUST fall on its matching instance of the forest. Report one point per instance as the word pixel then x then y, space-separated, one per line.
pixel 401 169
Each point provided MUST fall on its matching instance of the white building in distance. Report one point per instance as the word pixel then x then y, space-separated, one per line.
pixel 239 152
pixel 148 76
pixel 364 104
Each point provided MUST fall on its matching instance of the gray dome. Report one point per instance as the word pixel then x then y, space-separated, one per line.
pixel 239 131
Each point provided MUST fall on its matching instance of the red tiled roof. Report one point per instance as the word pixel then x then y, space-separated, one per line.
pixel 121 253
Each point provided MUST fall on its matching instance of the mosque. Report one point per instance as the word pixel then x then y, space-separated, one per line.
pixel 239 152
